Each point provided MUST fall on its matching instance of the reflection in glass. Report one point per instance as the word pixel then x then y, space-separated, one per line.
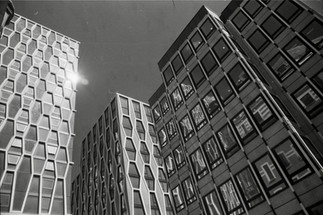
pixel 187 88
pixel 198 116
pixel 198 164
pixel 197 41
pixel 280 66
pixel 261 112
pixel 176 98
pixel 164 105
pixel 212 153
pixel 231 199
pixel 171 130
pixel 243 125
pixel 298 51
pixel 178 198
pixel 212 204
pixel 238 76
pixel 227 140
pixel 188 191
pixel 186 53
pixel 224 90
pixel 186 128
pixel 313 32
pixel 308 99
pixel 211 104
pixel 162 137
pixel 179 157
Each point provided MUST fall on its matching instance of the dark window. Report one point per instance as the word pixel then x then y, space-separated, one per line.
pixel 186 53
pixel 238 76
pixel 212 153
pixel 198 164
pixel 176 99
pixel 210 104
pixel 124 105
pixel 258 41
pixel 298 51
pixel 178 198
pixel 140 129
pixel 318 80
pixel 244 127
pixel 164 105
pixel 134 175
pixel 177 64
pixel 281 67
pixel 197 41
pixel 221 50
pixel 229 195
pixel 169 164
pixel 288 10
pixel 197 75
pixel 127 126
pixel 249 188
pixel 209 63
pixel 207 28
pixel 224 90
pixel 162 137
pixel 137 109
pixel 171 129
pixel 168 75
pixel 252 8
pixel 144 152
pixel 227 140
pixel 188 189
pixel 212 203
pixel 156 113
pixel 261 113
pixel 131 150
pixel 187 88
pixel 179 157
pixel 186 127
pixel 314 34
pixel 272 26
pixel 240 20
pixel 309 100
pixel 198 116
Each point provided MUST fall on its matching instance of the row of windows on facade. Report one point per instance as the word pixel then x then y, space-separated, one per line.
pixel 265 168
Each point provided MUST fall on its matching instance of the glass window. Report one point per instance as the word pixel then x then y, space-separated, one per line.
pixel 164 105
pixel 288 10
pixel 291 161
pixel 148 113
pixel 169 164
pixel 269 175
pixel 171 129
pixel 197 41
pixel 127 126
pixel 221 50
pixel 272 26
pixel 144 152
pixel 209 63
pixel 198 164
pixel 186 53
pixel 131 150
pixel 124 105
pixel 162 137
pixel 140 129
pixel 224 90
pixel 212 153
pixel 152 133
pixel 154 204
pixel 207 28
pixel 240 20
pixel 168 75
pixel 176 99
pixel 186 128
pixel 179 157
pixel 281 67
pixel 187 88
pixel 197 75
pixel 314 34
pixel 238 76
pixel 252 8
pixel 134 175
pixel 298 51
pixel 318 80
pixel 210 104
pixel 261 113
pixel 258 41
pixel 230 198
pixel 156 113
pixel 177 64
pixel 212 204
pixel 157 156
pixel 244 127
pixel 227 140
pixel 198 116
pixel 309 100
pixel 178 198
pixel 188 190
pixel 138 206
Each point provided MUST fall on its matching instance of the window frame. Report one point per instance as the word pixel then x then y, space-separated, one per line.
pixel 189 200
pixel 171 135
pixel 172 77
pixel 162 143
pixel 286 73
pixel 203 171
pixel 244 83
pixel 309 53
pixel 262 46
pixel 183 161
pixel 177 58
pixel 211 32
pixel 198 47
pixel 251 134
pixel 219 159
pixel 226 100
pixel 191 132
pixel 256 12
pixel 235 146
pixel 293 16
pixel 277 31
pixel 239 208
pixel 307 39
pixel 186 60
pixel 188 95
pixel 213 68
pixel 172 98
pixel 198 125
pixel 170 172
pixel 245 24
pixel 216 110
pixel 201 80
pixel 225 55
pixel 165 101
pixel 157 108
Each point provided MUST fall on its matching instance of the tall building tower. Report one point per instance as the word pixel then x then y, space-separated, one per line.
pixel 37 110
pixel 228 145
pixel 121 167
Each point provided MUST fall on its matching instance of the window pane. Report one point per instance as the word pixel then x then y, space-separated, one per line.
pixel 298 51
pixel 189 193
pixel 313 32
pixel 197 75
pixel 186 53
pixel 252 8
pixel 221 50
pixel 227 140
pixel 238 76
pixel 171 129
pixel 240 20
pixel 196 41
pixel 187 88
pixel 308 99
pixel 186 128
pixel 124 105
pixel 318 80
pixel 164 105
pixel 224 90
pixel 272 26
pixel 207 28
pixel 162 137
pixel 176 99
pixel 168 75
pixel 177 64
pixel 156 113
pixel 179 157
pixel 288 11
pixel 212 204
pixel 280 66
pixel 258 41
pixel 212 153
pixel 230 197
pixel 209 63
pixel 178 198
pixel 211 105
pixel 169 163
pixel 261 113
pixel 198 117
pixel 243 126
pixel 198 164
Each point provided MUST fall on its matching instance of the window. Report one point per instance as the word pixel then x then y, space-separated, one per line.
pixel 178 198
pixel 288 10
pixel 149 178
pixel 197 75
pixel 154 204
pixel 157 156
pixel 221 50
pixel 198 164
pixel 179 157
pixel 269 175
pixel 169 164
pixel 162 137
pixel 240 20
pixel 207 28
pixel 148 113
pixel 292 162
pixel 176 99
pixel 197 41
pixel 244 127
pixel 186 53
pixel 313 33
pixel 188 190
pixel 209 63
pixel 212 153
pixel 124 105
pixel 238 76
pixel 227 140
pixel 281 67
pixel 249 188
pixel 258 41
pixel 106 117
pixel 171 129
pixel 186 128
pixel 168 75
pixel 261 113
pixel 127 126
pixel 309 100
pixel 298 51
pixel 156 113
pixel 212 204
pixel 136 107
pixel 252 8
pixel 210 104
pixel 140 129
pixel 164 105
pixel 230 198
pixel 134 175
pixel 138 206
pixel 144 152
pixel 198 117
pixel 162 179
pixel 272 26
pixel 224 90
pixel 187 88
pixel 177 64
pixel 318 80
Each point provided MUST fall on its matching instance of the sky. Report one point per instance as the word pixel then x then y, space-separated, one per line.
pixel 121 43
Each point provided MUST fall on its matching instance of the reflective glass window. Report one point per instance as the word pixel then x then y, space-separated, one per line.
pixel 186 53
pixel 197 75
pixel 224 91
pixel 164 105
pixel 198 116
pixel 136 107
pixel 179 157
pixel 252 8
pixel 281 67
pixel 272 26
pixel 197 41
pixel 314 34
pixel 209 63
pixel 157 113
pixel 198 163
pixel 124 105
pixel 169 164
pixel 171 129
pixel 221 50
pixel 309 100
pixel 227 140
pixel 178 198
pixel 244 127
pixel 177 64
pixel 176 99
pixel 187 88
pixel 298 51
pixel 230 198
pixel 168 75
pixel 188 191
pixel 240 20
pixel 186 127
pixel 211 104
pixel 288 10
pixel 212 204
pixel 162 137
pixel 258 41
pixel 207 28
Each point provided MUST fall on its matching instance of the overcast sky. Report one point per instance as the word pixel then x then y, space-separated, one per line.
pixel 121 43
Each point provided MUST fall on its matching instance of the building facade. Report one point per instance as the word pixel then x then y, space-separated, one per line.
pixel 37 110
pixel 228 144
pixel 121 167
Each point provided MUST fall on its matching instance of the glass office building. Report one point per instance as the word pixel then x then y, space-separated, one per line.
pixel 122 170
pixel 37 110
pixel 239 114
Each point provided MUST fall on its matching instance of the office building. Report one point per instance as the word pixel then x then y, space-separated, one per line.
pixel 37 110
pixel 121 167
pixel 239 113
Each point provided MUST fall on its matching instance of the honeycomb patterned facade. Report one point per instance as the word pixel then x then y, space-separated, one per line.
pixel 37 111
pixel 121 167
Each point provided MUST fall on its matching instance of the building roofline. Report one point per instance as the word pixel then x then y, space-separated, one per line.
pixel 157 94
pixel 229 9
